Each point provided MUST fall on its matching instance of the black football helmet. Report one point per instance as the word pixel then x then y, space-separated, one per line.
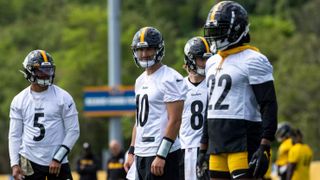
pixel 227 23
pixel 196 47
pixel 148 37
pixel 284 131
pixel 39 68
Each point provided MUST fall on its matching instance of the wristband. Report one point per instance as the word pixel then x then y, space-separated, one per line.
pixel 164 147
pixel 131 150
pixel 61 153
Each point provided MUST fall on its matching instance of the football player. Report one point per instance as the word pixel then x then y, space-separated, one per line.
pixel 300 157
pixel 283 135
pixel 242 105
pixel 43 123
pixel 87 164
pixel 196 53
pixel 160 93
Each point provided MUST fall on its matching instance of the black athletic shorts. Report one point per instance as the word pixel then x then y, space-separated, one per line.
pixel 171 168
pixel 42 173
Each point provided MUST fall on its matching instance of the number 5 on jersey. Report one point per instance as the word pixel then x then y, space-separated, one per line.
pixel 40 126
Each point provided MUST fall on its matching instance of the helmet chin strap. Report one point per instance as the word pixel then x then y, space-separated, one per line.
pixel 200 71
pixel 44 82
pixel 147 63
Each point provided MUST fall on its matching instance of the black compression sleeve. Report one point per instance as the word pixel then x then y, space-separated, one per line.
pixel 266 98
pixel 204 137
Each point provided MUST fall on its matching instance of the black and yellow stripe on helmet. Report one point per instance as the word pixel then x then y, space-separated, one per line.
pixel 148 37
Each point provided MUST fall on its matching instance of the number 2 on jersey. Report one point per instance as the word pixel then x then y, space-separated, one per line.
pixel 142 109
pixel 38 125
pixel 228 81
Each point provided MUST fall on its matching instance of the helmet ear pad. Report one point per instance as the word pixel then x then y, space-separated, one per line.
pixel 239 25
pixel 237 29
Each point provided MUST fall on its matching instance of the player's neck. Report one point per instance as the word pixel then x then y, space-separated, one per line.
pixel 153 68
pixel 38 88
pixel 194 78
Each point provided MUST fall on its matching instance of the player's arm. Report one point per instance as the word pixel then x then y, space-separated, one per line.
pixel 174 110
pixel 15 140
pixel 72 131
pixel 266 98
pixel 174 118
pixel 290 170
pixel 204 137
pixel 70 128
pixel 202 159
pixel 130 156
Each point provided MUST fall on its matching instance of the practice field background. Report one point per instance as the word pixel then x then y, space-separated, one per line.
pixel 75 33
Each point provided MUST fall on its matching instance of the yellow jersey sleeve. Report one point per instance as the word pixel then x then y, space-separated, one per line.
pixel 282 156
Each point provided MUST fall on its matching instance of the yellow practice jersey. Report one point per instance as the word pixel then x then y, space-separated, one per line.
pixel 282 157
pixel 301 155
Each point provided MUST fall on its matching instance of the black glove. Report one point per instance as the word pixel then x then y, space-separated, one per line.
pixel 259 162
pixel 202 165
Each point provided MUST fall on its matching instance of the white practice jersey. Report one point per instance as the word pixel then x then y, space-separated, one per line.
pixel 45 121
pixel 230 91
pixel 152 93
pixel 193 115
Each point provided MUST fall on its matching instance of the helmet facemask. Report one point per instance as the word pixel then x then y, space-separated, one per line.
pixel 153 59
pixel 190 62
pixel 42 75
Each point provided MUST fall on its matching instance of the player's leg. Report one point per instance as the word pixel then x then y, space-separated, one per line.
pixel 218 167
pixel 181 165
pixel 65 173
pixel 39 172
pixel 238 164
pixel 171 169
pixel 190 163
pixel 141 167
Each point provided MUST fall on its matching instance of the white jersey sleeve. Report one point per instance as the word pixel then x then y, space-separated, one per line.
pixel 152 93
pixel 259 69
pixel 173 87
pixel 193 116
pixel 15 133
pixel 70 121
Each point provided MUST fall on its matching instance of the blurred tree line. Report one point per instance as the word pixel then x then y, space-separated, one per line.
pixel 75 33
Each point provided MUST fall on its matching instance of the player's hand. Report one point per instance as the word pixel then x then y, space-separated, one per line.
pixel 259 162
pixel 157 166
pixel 54 167
pixel 128 162
pixel 17 173
pixel 202 164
